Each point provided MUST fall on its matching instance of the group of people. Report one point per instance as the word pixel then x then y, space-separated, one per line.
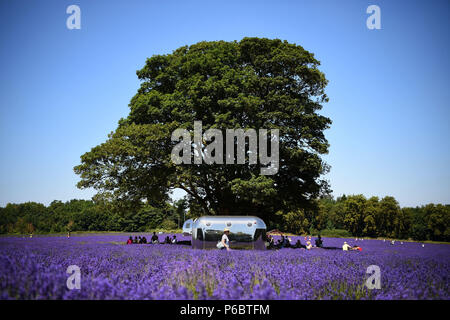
pixel 285 242
pixel 154 239
pixel 393 242
pixel 224 243
pixel 136 240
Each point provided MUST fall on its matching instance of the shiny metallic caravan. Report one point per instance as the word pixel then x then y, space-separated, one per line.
pixel 246 232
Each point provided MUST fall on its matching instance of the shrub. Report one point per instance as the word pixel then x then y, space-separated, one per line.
pixel 168 224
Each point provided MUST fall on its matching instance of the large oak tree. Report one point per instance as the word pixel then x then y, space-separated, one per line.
pixel 254 83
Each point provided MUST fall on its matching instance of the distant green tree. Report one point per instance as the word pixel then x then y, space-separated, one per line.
pixel 389 211
pixel 370 215
pixel 324 217
pixel 337 215
pixel 69 226
pixel 295 221
pixel 20 226
pixel 181 206
pixel 402 224
pixel 168 224
pixel 354 207
pixel 437 219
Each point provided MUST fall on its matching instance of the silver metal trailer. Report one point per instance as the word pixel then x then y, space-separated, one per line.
pixel 246 232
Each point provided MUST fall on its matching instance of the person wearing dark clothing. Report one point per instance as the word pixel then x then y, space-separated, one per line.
pixel 282 242
pixel 271 242
pixel 155 238
pixel 167 240
pixel 136 240
pixel 144 240
pixel 287 242
pixel 299 245
pixel 174 239
pixel 140 240
pixel 319 242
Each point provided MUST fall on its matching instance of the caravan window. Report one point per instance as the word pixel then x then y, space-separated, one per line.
pixel 199 234
pixel 213 235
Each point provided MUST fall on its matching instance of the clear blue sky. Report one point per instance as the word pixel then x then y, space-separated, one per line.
pixel 62 91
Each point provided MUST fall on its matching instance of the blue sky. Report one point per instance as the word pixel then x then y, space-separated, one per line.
pixel 62 91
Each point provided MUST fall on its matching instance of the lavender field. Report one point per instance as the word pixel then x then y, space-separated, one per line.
pixel 36 269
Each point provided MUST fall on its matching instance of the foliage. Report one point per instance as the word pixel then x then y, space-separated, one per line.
pixel 83 215
pixel 342 217
pixel 384 218
pixel 254 83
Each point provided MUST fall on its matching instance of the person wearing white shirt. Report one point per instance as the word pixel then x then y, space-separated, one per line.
pixel 225 241
pixel 346 247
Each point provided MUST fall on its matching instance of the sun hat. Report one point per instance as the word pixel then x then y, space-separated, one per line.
pixel 226 229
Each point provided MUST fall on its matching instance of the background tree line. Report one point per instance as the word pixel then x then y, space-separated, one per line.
pixel 88 215
pixel 358 216
pixel 353 215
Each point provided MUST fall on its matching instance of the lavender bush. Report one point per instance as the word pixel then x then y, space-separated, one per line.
pixel 36 269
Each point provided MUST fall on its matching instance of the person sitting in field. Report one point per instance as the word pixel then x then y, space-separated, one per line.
pixel 308 245
pixel 130 240
pixel 345 246
pixel 299 245
pixel 288 242
pixel 135 241
pixel 271 242
pixel 319 242
pixel 278 244
pixel 167 240
pixel 140 240
pixel 282 242
pixel 356 248
pixel 155 238
pixel 174 239
pixel 144 240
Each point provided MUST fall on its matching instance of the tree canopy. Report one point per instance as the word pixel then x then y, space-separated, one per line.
pixel 251 84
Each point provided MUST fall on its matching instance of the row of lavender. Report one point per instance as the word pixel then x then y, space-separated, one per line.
pixel 36 269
